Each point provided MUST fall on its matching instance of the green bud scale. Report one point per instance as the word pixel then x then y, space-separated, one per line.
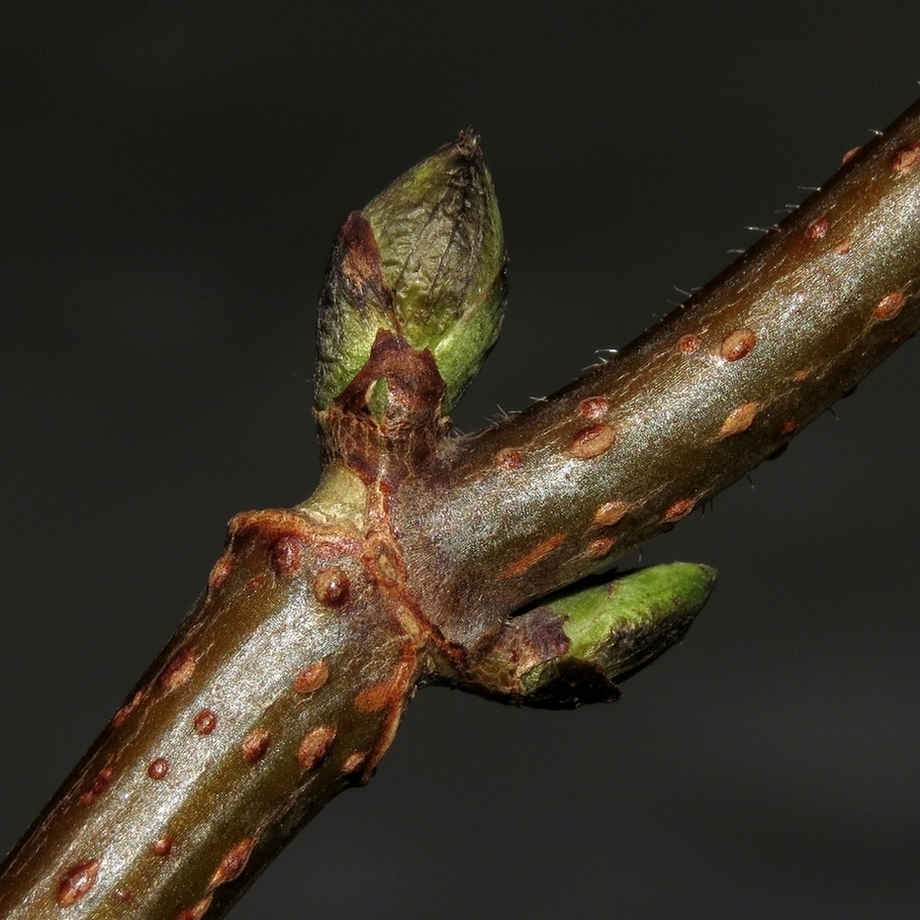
pixel 424 261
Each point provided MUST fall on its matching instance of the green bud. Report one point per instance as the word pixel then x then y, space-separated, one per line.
pixel 425 261
pixel 616 628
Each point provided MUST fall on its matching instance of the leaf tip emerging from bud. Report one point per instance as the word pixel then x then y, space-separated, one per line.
pixel 425 260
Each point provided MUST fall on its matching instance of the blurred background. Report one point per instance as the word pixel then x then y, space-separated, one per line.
pixel 173 175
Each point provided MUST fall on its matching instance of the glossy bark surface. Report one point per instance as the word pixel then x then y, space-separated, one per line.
pixel 409 565
pixel 721 384
pixel 256 714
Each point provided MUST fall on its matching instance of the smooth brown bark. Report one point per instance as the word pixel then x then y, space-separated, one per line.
pixel 721 384
pixel 288 682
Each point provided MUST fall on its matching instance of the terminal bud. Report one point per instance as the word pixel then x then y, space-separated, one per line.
pixel 425 261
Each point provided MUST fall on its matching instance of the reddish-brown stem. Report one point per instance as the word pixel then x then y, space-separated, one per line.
pixel 288 683
pixel 715 388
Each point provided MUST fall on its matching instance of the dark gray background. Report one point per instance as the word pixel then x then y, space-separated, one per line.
pixel 172 176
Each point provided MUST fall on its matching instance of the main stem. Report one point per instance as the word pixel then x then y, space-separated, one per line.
pixel 723 382
pixel 288 681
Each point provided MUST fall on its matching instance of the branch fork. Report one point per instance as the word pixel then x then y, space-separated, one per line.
pixel 426 558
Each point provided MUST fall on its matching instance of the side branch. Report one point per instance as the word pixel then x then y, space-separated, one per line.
pixel 719 385
pixel 288 682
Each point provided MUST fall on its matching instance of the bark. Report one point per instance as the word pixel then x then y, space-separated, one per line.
pixel 287 683
pixel 719 385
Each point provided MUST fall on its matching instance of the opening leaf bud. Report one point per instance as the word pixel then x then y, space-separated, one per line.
pixel 425 260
